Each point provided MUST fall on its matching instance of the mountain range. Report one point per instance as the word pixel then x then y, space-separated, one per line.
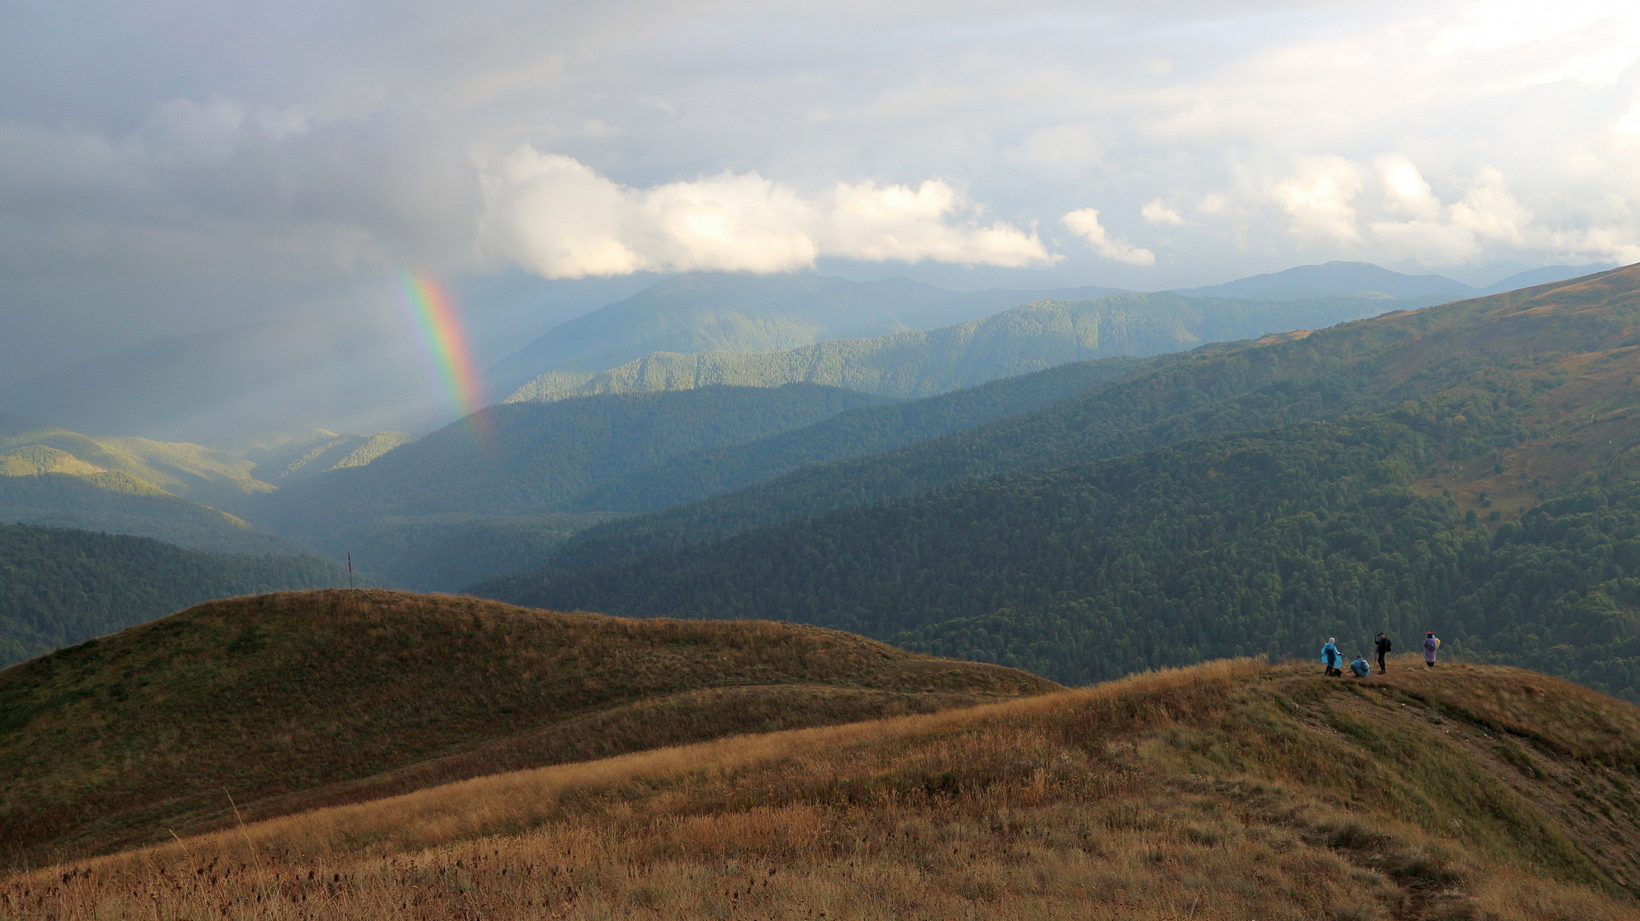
pixel 1230 502
pixel 365 368
pixel 1026 338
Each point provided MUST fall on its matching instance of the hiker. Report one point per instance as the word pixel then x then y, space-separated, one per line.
pixel 1383 650
pixel 1329 655
pixel 1360 666
pixel 1431 647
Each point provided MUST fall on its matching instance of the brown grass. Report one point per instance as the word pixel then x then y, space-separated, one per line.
pixel 297 700
pixel 1231 790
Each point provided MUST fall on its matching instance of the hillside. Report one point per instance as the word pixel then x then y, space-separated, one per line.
pixel 60 587
pixel 1366 366
pixel 1399 514
pixel 317 452
pixel 854 433
pixel 1024 339
pixel 1221 792
pixel 295 700
pixel 205 476
pixel 525 459
pixel 749 313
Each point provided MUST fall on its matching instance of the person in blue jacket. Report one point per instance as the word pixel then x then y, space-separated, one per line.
pixel 1330 655
pixel 1361 667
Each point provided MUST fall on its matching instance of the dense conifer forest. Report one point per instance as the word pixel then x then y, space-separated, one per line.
pixel 1467 469
pixel 59 587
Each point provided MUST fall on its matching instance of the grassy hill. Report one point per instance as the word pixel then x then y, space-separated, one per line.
pixel 1220 792
pixel 60 587
pixel 523 460
pixel 296 700
pixel 1090 551
pixel 202 475
pixel 1027 338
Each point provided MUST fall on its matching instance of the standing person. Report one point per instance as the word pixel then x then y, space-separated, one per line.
pixel 1382 644
pixel 1431 647
pixel 1331 656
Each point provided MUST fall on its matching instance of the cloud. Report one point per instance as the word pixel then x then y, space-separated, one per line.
pixel 1318 197
pixel 1490 211
pixel 1405 187
pixel 557 217
pixel 1157 211
pixel 1085 224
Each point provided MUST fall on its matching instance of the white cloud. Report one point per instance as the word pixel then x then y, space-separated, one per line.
pixel 1318 197
pixel 557 217
pixel 1157 211
pixel 1429 243
pixel 1085 224
pixel 1490 211
pixel 1405 187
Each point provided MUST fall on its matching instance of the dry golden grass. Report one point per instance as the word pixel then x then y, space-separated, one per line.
pixel 297 700
pixel 1227 791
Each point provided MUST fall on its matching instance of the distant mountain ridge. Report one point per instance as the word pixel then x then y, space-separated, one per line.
pixel 750 313
pixel 1335 279
pixel 1343 279
pixel 1021 340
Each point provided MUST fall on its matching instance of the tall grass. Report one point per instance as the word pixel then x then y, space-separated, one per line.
pixel 1194 793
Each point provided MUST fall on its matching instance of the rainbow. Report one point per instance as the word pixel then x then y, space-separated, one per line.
pixel 440 328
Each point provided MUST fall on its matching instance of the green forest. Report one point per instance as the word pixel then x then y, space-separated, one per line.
pixel 1249 502
pixel 59 587
pixel 1233 545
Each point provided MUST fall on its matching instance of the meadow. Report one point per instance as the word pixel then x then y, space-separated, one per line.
pixel 1229 790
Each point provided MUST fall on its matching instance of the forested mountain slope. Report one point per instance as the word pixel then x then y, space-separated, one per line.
pixel 298 700
pixel 857 432
pixel 523 460
pixel 60 587
pixel 1256 542
pixel 1026 338
pixel 1363 366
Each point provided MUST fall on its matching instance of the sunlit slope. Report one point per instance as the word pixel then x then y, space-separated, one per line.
pixel 180 493
pixel 1219 792
pixel 292 700
pixel 59 586
pixel 1026 338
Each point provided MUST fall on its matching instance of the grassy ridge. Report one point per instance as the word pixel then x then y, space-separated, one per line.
pixel 1224 791
pixel 278 697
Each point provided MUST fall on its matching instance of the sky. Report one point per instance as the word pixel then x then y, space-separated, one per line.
pixel 173 165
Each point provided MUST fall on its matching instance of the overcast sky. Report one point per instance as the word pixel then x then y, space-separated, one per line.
pixel 167 164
